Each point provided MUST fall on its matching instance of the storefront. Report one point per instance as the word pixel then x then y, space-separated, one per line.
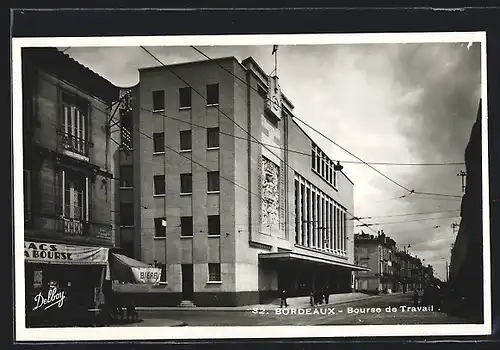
pixel 63 282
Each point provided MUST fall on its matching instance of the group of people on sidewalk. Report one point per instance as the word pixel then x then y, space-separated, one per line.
pixel 316 297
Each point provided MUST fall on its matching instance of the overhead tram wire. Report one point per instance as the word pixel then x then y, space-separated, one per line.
pixel 407 214
pixel 336 144
pixel 308 154
pixel 228 117
pixel 147 136
pixel 408 221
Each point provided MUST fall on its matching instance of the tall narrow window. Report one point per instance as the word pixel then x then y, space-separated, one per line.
pixel 158 101
pixel 213 225
pixel 212 94
pixel 74 125
pixel 297 208
pixel 75 200
pixel 212 137
pixel 127 214
pixel 159 184
pixel 185 140
pixel 160 227
pixel 186 183
pixel 213 181
pixel 313 156
pixel 185 97
pixel 126 176
pixel 158 142
pixel 74 196
pixel 214 274
pixel 186 226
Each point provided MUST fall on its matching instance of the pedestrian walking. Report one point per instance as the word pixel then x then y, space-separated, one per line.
pixel 283 298
pixel 326 293
pixel 415 298
pixel 312 296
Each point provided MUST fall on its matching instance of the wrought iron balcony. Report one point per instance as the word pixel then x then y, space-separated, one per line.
pixel 73 227
pixel 74 144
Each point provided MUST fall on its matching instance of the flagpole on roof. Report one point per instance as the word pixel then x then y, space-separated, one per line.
pixel 275 54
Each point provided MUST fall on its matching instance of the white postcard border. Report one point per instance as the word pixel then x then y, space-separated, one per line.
pixel 175 333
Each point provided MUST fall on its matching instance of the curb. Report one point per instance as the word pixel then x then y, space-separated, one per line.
pixel 238 309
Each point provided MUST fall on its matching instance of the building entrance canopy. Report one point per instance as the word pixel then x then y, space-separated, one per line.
pixel 295 256
pixel 127 270
pixel 51 253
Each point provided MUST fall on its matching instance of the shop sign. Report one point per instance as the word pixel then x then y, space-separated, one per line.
pixel 147 275
pixel 36 252
pixel 54 297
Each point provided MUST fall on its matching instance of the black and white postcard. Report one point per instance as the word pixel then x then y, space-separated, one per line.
pixel 256 186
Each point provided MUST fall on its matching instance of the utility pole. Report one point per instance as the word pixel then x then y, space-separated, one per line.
pixel 463 175
pixel 447 271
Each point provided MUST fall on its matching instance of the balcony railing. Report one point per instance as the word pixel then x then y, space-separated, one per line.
pixel 74 144
pixel 50 225
pixel 73 227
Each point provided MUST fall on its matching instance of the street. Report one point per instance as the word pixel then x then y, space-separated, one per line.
pixel 371 311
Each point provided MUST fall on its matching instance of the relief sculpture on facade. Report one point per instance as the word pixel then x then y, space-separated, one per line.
pixel 270 195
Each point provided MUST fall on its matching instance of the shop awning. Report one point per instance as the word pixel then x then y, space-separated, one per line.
pixel 51 253
pixel 310 258
pixel 128 270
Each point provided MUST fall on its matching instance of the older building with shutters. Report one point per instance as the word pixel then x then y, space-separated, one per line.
pixel 69 190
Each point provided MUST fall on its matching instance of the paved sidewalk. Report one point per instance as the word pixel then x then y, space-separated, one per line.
pixel 155 322
pixel 297 302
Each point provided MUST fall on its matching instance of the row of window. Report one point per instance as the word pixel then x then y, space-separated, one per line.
pixel 185 97
pixel 187 226
pixel 214 272
pixel 213 183
pixel 185 140
pixel 320 222
pixel 323 165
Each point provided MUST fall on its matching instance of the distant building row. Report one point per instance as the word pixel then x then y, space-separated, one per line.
pixel 391 269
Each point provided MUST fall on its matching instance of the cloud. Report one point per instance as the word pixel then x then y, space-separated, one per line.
pixel 383 102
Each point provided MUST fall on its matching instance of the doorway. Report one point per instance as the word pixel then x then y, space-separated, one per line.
pixel 187 282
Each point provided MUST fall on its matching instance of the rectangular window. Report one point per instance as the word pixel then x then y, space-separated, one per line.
pixel 75 202
pixel 160 227
pixel 185 97
pixel 212 137
pixel 214 225
pixel 332 172
pixel 313 157
pixel 212 94
pixel 126 128
pixel 74 196
pixel 186 183
pixel 213 181
pixel 127 214
pixel 74 125
pixel 214 274
pixel 158 142
pixel 163 276
pixel 126 176
pixel 185 140
pixel 159 184
pixel 158 101
pixel 186 226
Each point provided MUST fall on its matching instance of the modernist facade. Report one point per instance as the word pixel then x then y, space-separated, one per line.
pixel 68 183
pixel 229 196
pixel 391 269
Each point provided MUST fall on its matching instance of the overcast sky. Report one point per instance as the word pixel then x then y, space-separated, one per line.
pixel 402 103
